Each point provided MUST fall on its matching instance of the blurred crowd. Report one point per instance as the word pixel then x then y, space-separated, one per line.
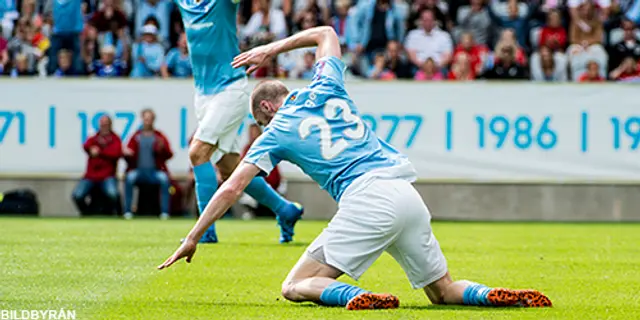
pixel 423 40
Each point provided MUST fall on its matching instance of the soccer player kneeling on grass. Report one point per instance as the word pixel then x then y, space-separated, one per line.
pixel 318 128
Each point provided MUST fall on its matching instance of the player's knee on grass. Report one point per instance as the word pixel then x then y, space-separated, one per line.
pixel 288 291
pixel 200 152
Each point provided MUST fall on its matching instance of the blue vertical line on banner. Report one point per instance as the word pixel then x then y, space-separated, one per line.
pixel 584 131
pixel 22 127
pixel 52 126
pixel 184 139
pixel 449 129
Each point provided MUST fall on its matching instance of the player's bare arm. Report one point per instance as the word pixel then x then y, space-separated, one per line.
pixel 224 198
pixel 325 38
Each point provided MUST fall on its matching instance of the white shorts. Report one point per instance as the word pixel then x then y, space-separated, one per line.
pixel 378 215
pixel 220 116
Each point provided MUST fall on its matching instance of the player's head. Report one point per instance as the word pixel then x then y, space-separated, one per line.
pixel 267 97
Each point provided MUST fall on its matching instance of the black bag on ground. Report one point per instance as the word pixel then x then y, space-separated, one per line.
pixel 22 201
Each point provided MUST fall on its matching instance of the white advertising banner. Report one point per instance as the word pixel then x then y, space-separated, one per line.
pixel 471 132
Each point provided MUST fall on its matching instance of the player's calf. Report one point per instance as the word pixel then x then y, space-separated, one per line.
pixel 446 291
pixel 206 180
pixel 329 292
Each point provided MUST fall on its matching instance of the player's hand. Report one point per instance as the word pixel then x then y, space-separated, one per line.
pixel 186 250
pixel 94 151
pixel 254 59
pixel 127 152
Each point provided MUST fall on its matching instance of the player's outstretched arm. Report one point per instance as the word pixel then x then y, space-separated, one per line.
pixel 225 197
pixel 325 38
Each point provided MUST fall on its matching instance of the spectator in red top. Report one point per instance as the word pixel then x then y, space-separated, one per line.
pixel 4 53
pixel 476 53
pixel 462 68
pixel 147 153
pixel 628 69
pixel 592 74
pixel 553 35
pixel 104 150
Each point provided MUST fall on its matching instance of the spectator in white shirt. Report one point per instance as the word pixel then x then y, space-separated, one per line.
pixel 429 42
pixel 265 25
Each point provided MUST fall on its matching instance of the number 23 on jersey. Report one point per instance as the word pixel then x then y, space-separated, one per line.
pixel 328 149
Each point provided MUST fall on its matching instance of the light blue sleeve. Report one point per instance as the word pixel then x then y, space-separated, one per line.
pixel 171 58
pixel 135 51
pixel 264 151
pixel 399 21
pixel 351 32
pixel 328 71
pixel 155 58
pixel 359 25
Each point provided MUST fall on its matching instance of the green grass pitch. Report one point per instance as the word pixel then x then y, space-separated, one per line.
pixel 105 269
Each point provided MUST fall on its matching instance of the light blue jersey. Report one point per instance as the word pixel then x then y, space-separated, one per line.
pixel 319 129
pixel 67 15
pixel 211 31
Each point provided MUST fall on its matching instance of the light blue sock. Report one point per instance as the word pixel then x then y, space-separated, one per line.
pixel 206 186
pixel 339 294
pixel 476 295
pixel 262 192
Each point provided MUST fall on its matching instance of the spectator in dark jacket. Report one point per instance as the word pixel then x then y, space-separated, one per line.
pixel 65 67
pixel 628 47
pixel 147 153
pixel 506 67
pixel 104 150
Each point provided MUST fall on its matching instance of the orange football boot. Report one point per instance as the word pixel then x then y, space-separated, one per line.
pixel 369 301
pixel 501 297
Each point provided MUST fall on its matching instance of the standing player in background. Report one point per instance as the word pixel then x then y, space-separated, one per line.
pixel 221 104
pixel 318 128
